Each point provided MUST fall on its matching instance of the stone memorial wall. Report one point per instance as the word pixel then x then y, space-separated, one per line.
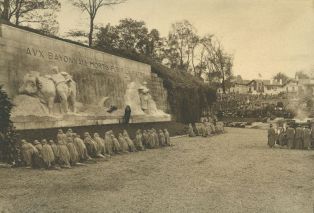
pixel 48 77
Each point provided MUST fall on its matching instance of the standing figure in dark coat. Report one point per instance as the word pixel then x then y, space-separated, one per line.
pixel 271 136
pixel 312 135
pixel 298 138
pixel 290 137
pixel 282 137
pixel 307 138
pixel 127 114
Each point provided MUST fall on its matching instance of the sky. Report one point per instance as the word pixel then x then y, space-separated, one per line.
pixel 265 36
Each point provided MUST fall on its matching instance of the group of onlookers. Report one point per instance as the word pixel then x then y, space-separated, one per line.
pixel 250 106
pixel 70 149
pixel 297 137
pixel 207 127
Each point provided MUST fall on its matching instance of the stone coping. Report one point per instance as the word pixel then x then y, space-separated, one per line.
pixel 32 122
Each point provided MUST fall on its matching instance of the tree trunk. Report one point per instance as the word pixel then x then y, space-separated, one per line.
pixel 17 13
pixel 6 8
pixel 223 84
pixel 91 30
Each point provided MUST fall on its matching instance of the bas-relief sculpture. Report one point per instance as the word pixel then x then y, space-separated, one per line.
pixel 54 94
pixel 138 97
pixel 50 89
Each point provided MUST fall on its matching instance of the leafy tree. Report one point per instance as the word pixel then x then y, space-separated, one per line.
pixel 182 40
pixel 130 35
pixel 40 14
pixel 91 7
pixel 281 77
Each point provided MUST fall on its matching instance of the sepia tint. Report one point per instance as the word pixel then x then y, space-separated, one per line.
pixel 156 106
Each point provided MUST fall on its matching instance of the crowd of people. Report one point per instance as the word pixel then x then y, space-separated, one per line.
pixel 251 106
pixel 69 149
pixel 207 127
pixel 292 137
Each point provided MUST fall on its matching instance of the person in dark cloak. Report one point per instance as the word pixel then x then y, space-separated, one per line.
pixel 271 136
pixel 290 133
pixel 127 114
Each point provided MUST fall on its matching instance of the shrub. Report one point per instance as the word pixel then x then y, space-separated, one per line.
pixel 8 145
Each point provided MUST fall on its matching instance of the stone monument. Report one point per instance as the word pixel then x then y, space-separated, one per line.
pixel 57 84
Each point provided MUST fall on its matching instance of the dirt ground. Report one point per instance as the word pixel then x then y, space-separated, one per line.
pixel 234 172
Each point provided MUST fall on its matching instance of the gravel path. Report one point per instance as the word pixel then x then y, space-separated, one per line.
pixel 234 172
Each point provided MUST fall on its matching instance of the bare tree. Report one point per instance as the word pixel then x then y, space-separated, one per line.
pixel 182 40
pixel 219 63
pixel 40 14
pixel 92 7
pixel 18 11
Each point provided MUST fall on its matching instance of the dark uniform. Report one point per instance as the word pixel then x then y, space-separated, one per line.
pixel 290 137
pixel 298 140
pixel 271 136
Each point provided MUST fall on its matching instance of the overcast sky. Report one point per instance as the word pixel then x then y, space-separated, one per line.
pixel 265 36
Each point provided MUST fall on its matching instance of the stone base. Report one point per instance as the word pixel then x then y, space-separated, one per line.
pixel 34 122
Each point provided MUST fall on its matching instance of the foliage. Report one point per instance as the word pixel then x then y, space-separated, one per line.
pixel 281 77
pixel 130 35
pixel 40 14
pixel 8 145
pixel 91 7
pixel 219 63
pixel 184 50
pixel 182 40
